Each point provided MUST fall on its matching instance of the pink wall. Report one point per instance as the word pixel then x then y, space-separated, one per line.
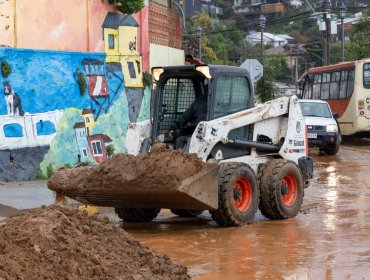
pixel 142 19
pixel 69 25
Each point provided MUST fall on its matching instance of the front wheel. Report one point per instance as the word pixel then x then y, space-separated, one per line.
pixel 137 215
pixel 237 196
pixel 334 150
pixel 281 187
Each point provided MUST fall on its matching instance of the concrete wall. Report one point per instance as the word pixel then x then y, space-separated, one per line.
pixel 165 56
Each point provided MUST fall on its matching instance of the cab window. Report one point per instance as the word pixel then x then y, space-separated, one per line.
pixel 232 95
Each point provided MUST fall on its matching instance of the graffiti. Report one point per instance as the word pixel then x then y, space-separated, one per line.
pixel 132 45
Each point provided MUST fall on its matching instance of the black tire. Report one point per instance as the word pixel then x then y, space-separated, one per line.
pixel 238 195
pixel 137 215
pixel 334 150
pixel 186 213
pixel 281 187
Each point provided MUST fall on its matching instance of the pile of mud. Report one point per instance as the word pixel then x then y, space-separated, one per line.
pixel 60 242
pixel 162 168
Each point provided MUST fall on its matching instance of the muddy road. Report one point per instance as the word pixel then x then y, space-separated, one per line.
pixel 329 239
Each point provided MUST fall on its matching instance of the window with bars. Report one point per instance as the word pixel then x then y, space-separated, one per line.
pixel 178 95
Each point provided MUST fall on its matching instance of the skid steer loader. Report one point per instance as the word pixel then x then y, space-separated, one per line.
pixel 259 153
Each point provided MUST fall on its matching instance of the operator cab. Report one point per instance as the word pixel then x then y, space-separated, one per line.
pixel 226 90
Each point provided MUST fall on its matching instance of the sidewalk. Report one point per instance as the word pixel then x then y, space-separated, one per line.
pixel 17 196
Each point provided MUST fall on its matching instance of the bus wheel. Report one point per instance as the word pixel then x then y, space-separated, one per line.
pixel 281 187
pixel 238 195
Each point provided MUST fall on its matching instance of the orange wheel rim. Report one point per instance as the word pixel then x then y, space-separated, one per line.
pixel 242 194
pixel 289 189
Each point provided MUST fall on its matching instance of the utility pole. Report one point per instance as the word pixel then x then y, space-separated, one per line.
pixel 342 14
pixel 327 17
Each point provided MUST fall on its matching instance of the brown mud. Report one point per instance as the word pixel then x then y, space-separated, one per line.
pixel 160 169
pixel 60 242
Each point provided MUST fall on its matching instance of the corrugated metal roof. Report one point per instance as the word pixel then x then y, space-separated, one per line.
pixel 114 20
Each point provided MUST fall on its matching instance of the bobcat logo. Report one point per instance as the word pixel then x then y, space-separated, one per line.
pixel 13 101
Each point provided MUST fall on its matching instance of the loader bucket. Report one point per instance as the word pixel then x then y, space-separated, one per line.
pixel 170 179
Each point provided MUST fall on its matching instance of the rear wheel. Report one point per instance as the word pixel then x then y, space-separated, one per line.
pixel 137 215
pixel 186 213
pixel 237 196
pixel 281 187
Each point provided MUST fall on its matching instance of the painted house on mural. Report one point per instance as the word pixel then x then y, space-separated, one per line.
pixel 81 138
pixel 98 144
pixel 76 79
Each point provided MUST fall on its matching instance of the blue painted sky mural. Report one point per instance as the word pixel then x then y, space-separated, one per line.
pixel 46 80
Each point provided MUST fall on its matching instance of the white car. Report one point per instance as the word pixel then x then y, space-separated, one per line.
pixel 323 130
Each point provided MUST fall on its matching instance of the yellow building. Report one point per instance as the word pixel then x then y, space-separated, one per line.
pixel 88 116
pixel 121 45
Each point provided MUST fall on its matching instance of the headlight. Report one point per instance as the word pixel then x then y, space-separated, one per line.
pixel 332 128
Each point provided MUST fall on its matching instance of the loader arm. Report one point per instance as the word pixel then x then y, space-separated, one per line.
pixel 280 119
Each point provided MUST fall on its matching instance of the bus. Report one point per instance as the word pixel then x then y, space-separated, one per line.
pixel 346 88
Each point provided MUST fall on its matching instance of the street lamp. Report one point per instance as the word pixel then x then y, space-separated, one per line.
pixel 342 14
pixel 199 32
pixel 182 14
pixel 262 26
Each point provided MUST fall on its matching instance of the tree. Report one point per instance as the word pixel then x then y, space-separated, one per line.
pixel 222 42
pixel 360 40
pixel 126 6
pixel 275 67
pixel 264 90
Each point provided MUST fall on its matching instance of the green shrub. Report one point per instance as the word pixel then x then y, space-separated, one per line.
pixel 110 150
pixel 40 175
pixel 127 6
pixel 147 79
pixel 49 171
pixel 82 84
pixel 6 69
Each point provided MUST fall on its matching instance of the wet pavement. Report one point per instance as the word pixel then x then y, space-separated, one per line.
pixel 18 196
pixel 329 239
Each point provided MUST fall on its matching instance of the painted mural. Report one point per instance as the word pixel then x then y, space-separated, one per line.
pixel 63 108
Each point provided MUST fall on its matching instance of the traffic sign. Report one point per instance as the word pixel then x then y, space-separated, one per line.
pixel 254 67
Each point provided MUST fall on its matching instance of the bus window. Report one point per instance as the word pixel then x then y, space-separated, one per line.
pixel 334 85
pixel 306 86
pixel 325 86
pixel 316 86
pixel 366 75
pixel 343 84
pixel 351 82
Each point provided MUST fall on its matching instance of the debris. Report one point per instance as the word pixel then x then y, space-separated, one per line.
pixel 61 242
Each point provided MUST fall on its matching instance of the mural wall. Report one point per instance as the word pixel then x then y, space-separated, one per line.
pixel 68 25
pixel 65 108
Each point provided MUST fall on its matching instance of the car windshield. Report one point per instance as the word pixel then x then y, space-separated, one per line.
pixel 314 109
